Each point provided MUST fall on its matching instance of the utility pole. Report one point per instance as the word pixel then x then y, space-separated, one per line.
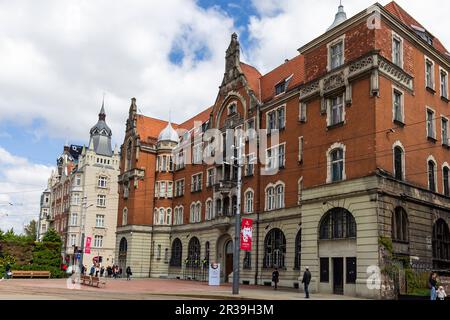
pixel 237 218
pixel 84 208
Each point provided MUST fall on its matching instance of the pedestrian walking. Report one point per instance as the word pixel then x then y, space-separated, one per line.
pixel 92 271
pixel 102 271
pixel 275 278
pixel 129 273
pixel 306 280
pixel 441 295
pixel 8 272
pixel 432 284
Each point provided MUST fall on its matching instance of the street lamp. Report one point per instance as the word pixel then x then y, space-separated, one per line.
pixel 82 228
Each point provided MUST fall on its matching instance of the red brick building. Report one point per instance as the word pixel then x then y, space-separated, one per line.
pixel 361 117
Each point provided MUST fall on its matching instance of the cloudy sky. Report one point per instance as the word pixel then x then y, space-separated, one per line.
pixel 58 58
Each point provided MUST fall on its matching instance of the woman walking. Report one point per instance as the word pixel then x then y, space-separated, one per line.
pixel 129 273
pixel 433 285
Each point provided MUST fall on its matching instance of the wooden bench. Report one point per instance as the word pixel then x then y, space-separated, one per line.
pixel 91 281
pixel 30 274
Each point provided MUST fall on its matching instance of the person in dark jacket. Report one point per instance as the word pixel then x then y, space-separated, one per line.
pixel 306 280
pixel 7 271
pixel 433 285
pixel 275 278
pixel 129 273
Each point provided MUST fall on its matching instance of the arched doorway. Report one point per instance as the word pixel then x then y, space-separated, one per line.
pixel 228 253
pixel 123 248
pixel 194 259
pixel 337 252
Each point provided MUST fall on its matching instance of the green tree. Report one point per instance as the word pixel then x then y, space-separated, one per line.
pixel 51 236
pixel 31 230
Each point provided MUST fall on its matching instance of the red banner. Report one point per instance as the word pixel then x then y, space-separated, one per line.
pixel 246 234
pixel 87 248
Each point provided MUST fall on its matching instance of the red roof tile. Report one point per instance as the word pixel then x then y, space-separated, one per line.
pixel 148 127
pixel 409 21
pixel 253 77
pixel 201 117
pixel 294 67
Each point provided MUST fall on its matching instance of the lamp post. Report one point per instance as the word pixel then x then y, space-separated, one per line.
pixel 84 208
pixel 237 224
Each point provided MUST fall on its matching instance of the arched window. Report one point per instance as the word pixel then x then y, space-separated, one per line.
pixel 194 253
pixel 337 223
pixel 270 196
pixel 337 164
pixel 125 217
pixel 192 213
pixel 432 175
pixel 161 216
pixel 226 206
pixel 274 249
pixel 400 225
pixel 218 207
pixel 209 211
pixel 123 246
pixel 178 218
pixel 279 199
pixel 198 212
pixel 177 251
pixel 398 163
pixel 155 217
pixel 169 217
pixel 249 201
pixel 446 181
pixel 207 252
pixel 298 250
pixel 441 245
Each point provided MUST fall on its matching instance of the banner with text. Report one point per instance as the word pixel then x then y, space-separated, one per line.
pixel 246 234
pixel 87 248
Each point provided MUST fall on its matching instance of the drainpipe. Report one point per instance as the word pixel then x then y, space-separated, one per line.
pixel 151 255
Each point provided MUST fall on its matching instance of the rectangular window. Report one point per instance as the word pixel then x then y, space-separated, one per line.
pixel 75 199
pixel 302 112
pixel 336 55
pixel 101 201
pixel 280 88
pixel 398 106
pixel 162 189
pixel 98 241
pixel 397 50
pixel 351 270
pixel 169 189
pixel 251 129
pixel 300 149
pixel 196 182
pixel 74 219
pixel 444 84
pixel 102 182
pixel 336 115
pixel 211 177
pixel 276 119
pixel 444 126
pixel 324 270
pixel 276 157
pixel 250 161
pixel 100 221
pixel 431 126
pixel 77 181
pixel 429 74
pixel 281 118
pixel 179 188
pixel 198 153
pixel 73 239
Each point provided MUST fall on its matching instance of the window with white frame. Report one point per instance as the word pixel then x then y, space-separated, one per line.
pixel 198 153
pixel 444 129
pixel 276 157
pixel 169 189
pixel 299 190
pixel 101 201
pixel 276 119
pixel 302 112
pixel 74 219
pixel 336 163
pixel 397 50
pixel 250 161
pixel 336 54
pixel 275 197
pixel 429 73
pixel 444 84
pixel 169 217
pixel 431 124
pixel 445 179
pixel 179 188
pixel 399 161
pixel 102 182
pixel 432 174
pixel 73 239
pixel 250 128
pixel 77 180
pixel 279 196
pixel 162 189
pixel 100 221
pixel 300 149
pixel 161 216
pixel 336 110
pixel 180 160
pixel 98 241
pixel 249 199
pixel 209 210
pixel 397 106
pixel 270 198
pixel 196 182
pixel 75 199
pixel 125 217
pixel 178 216
pixel 210 177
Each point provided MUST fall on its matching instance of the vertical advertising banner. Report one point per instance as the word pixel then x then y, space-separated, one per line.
pixel 246 234
pixel 87 248
pixel 214 274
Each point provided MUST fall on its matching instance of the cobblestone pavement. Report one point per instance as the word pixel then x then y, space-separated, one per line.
pixel 143 289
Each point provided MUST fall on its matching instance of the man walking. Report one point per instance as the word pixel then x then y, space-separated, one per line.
pixel 129 273
pixel 306 280
pixel 275 278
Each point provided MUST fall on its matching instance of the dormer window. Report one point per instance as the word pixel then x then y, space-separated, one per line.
pixel 336 54
pixel 280 88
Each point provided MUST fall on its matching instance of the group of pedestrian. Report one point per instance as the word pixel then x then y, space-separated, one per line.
pixel 306 280
pixel 436 292
pixel 109 272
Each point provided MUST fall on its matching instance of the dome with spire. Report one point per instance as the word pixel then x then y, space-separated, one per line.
pixel 101 135
pixel 168 134
pixel 340 17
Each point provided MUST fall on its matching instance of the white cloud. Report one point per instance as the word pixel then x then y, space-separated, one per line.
pixel 21 184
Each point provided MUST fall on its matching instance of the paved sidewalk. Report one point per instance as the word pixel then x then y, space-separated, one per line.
pixel 145 289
